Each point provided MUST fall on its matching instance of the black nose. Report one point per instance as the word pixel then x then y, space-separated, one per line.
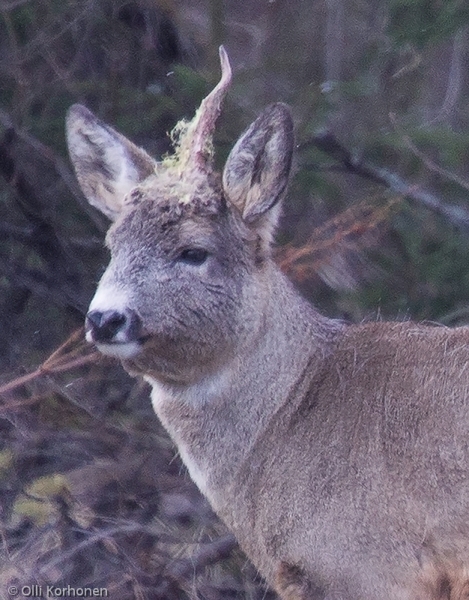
pixel 112 326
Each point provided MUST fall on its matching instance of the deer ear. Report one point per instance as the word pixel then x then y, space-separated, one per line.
pixel 107 165
pixel 256 172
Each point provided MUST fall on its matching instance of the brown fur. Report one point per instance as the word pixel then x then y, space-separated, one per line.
pixel 338 455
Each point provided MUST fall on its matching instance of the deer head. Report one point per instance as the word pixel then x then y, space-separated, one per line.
pixel 186 245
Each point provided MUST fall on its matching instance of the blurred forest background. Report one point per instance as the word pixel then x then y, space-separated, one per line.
pixel 376 225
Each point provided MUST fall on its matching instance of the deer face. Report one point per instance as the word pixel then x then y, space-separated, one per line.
pixel 179 268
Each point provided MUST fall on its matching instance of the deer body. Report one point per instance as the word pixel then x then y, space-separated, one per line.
pixel 337 454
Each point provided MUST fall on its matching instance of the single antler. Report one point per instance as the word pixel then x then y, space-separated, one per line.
pixel 195 138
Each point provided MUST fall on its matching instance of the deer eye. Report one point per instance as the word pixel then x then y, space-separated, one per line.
pixel 193 256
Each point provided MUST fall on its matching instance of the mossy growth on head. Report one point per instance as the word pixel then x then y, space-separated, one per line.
pixel 193 140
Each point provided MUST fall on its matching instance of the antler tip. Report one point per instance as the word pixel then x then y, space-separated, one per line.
pixel 225 63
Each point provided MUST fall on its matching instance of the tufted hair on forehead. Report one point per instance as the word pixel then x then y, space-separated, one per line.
pixel 154 209
pixel 168 182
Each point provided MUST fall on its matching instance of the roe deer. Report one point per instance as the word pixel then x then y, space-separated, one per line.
pixel 337 454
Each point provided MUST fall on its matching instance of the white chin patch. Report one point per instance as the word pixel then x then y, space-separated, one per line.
pixel 122 351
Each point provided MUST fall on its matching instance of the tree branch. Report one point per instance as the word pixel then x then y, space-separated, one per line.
pixel 328 143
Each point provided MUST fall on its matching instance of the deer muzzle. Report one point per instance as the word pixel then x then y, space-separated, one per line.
pixel 116 333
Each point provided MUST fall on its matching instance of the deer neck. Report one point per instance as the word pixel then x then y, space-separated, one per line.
pixel 216 421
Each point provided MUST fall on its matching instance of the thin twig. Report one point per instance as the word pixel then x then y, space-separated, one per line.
pixel 74 338
pixel 338 233
pixel 99 536
pixel 206 555
pixel 431 166
pixel 65 358
pixel 19 381
pixel 19 404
